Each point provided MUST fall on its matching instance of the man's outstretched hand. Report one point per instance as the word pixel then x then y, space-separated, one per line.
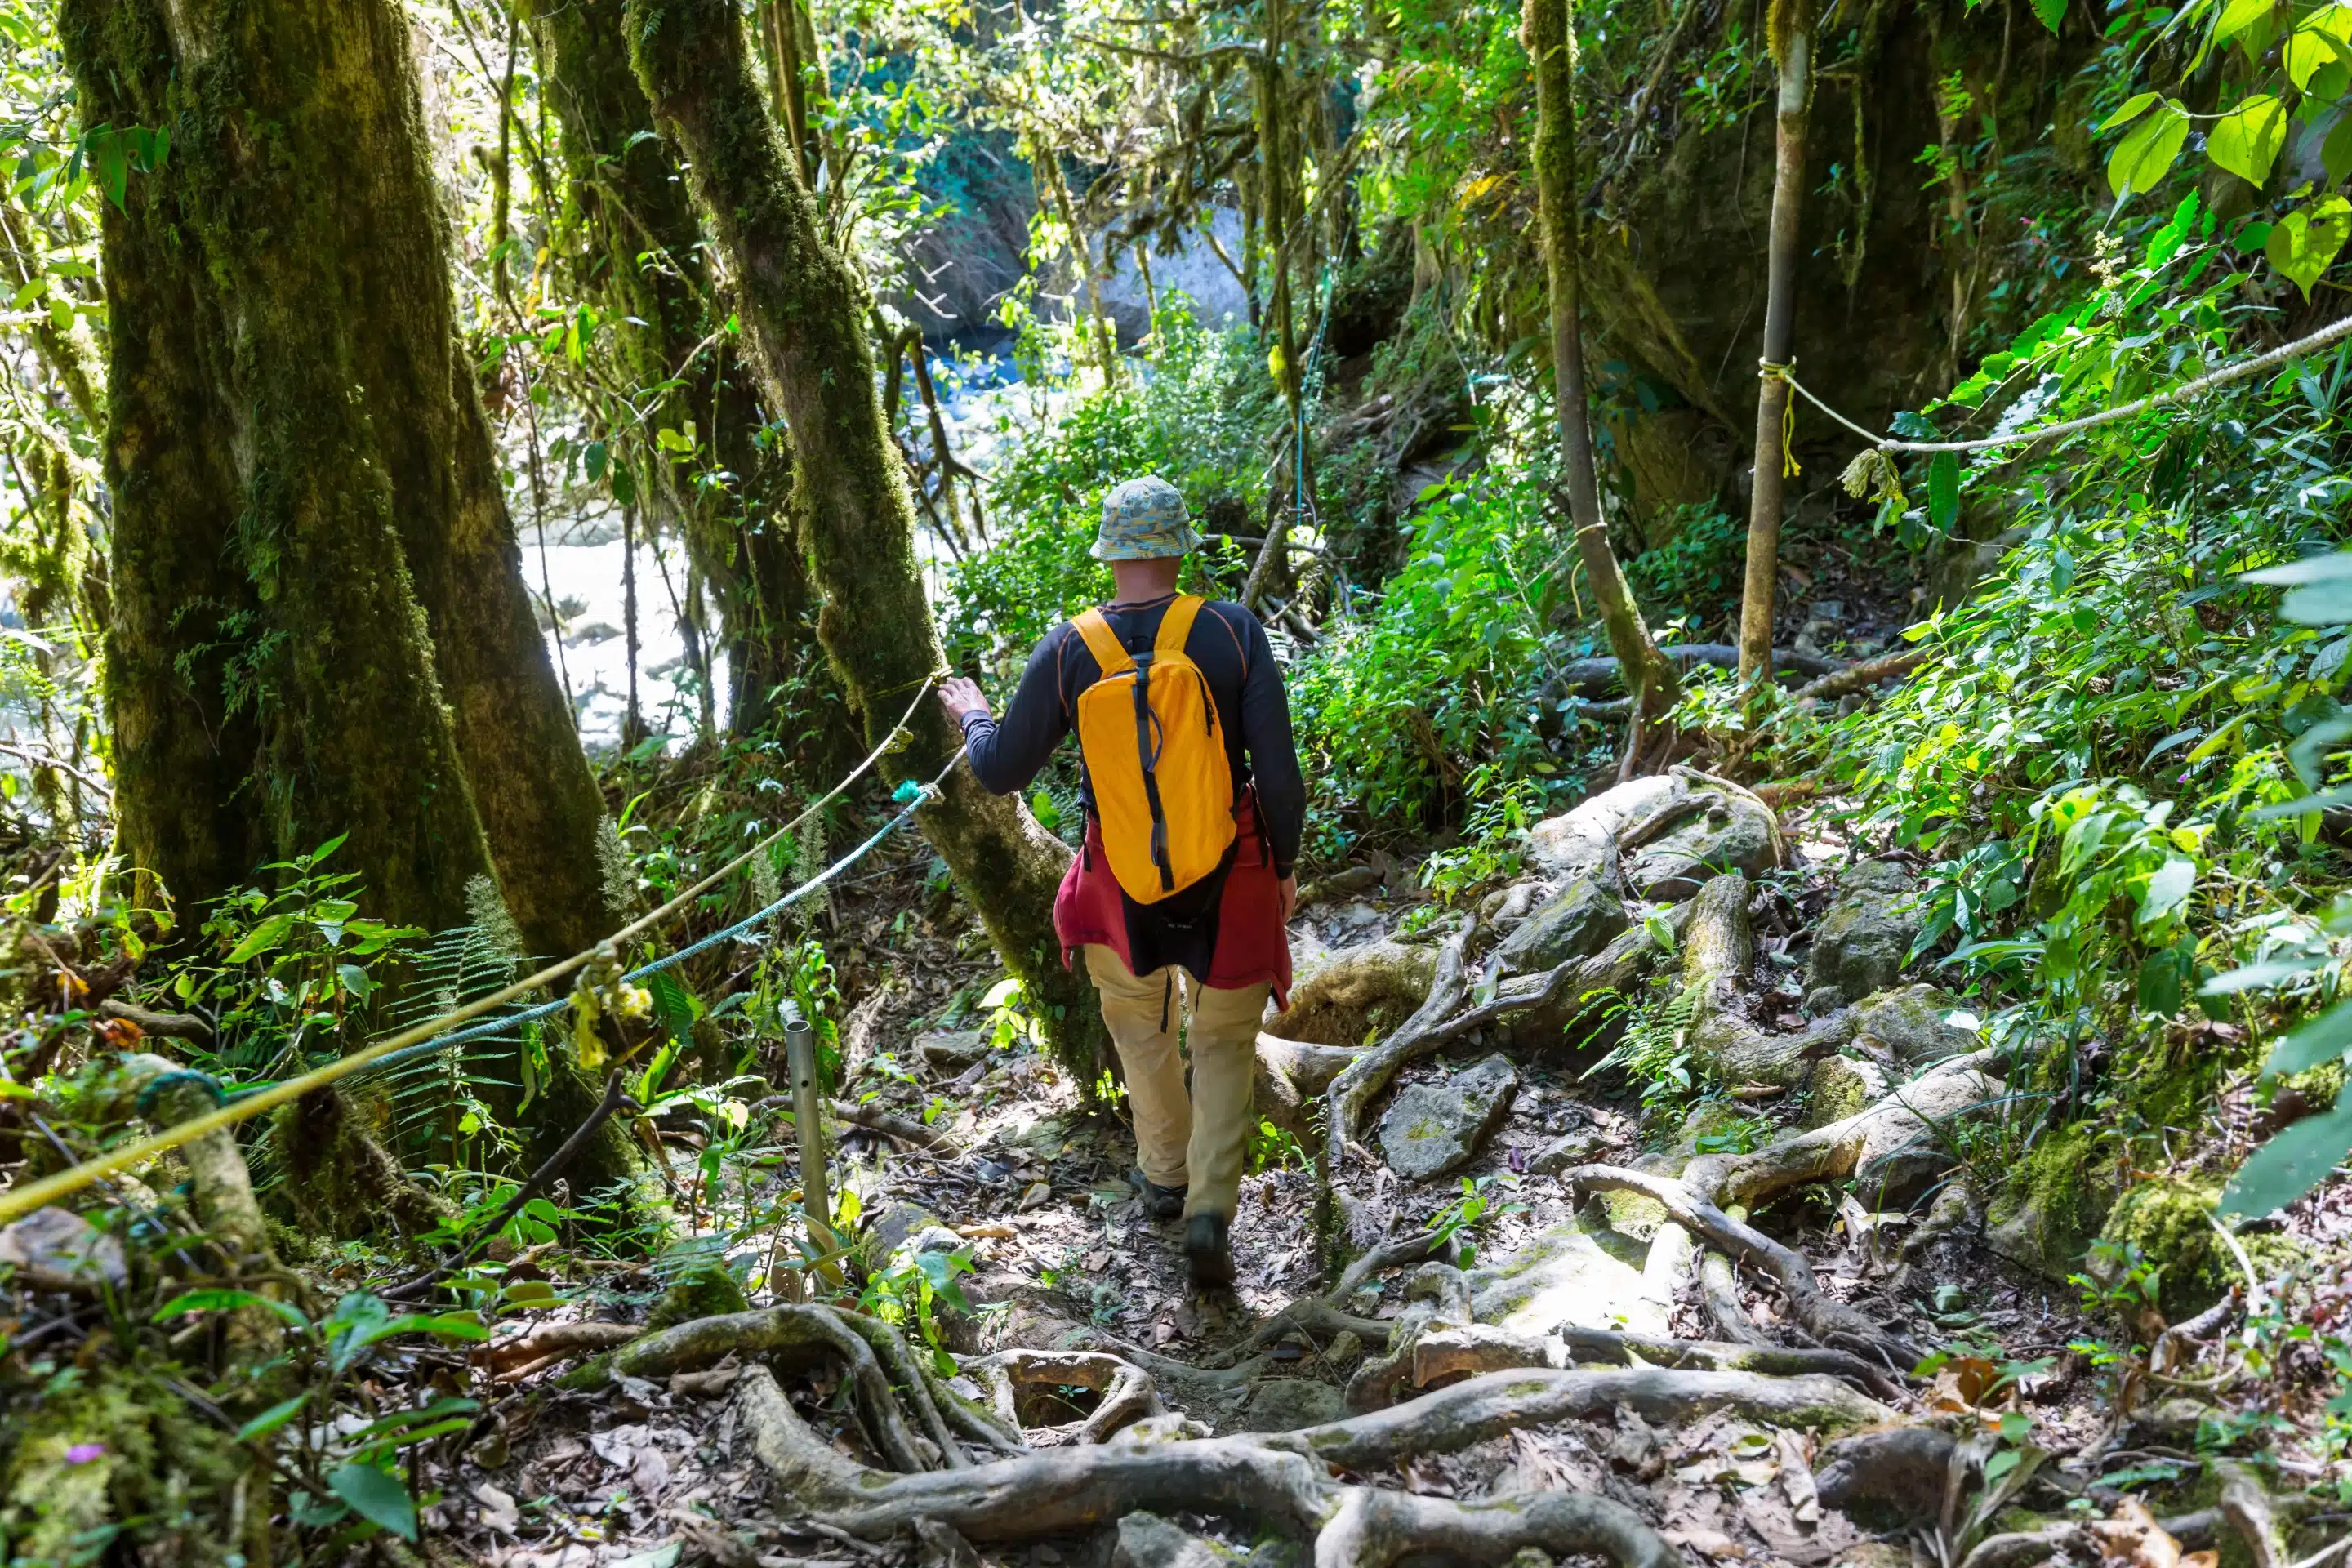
pixel 960 697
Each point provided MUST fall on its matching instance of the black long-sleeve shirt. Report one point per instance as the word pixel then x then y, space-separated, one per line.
pixel 1253 710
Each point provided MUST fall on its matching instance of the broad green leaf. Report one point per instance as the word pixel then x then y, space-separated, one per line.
pixel 2316 1043
pixel 2322 585
pixel 2302 246
pixel 2292 1163
pixel 271 1419
pixel 2147 151
pixel 226 1302
pixel 674 1005
pixel 2240 15
pixel 2052 12
pixel 1943 491
pixel 593 460
pixel 2134 107
pixel 2336 152
pixel 2167 890
pixel 2247 140
pixel 262 937
pixel 2260 976
pixel 376 1496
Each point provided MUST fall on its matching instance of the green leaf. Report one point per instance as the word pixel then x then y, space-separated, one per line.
pixel 2302 246
pixel 2297 1159
pixel 2167 890
pixel 271 1419
pixel 2236 18
pixel 674 1005
pixel 2247 140
pixel 2147 151
pixel 2319 1042
pixel 226 1302
pixel 594 458
pixel 2134 107
pixel 262 937
pixel 2336 152
pixel 377 1496
pixel 2053 12
pixel 1943 491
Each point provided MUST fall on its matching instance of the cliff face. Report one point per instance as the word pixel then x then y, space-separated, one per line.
pixel 1940 138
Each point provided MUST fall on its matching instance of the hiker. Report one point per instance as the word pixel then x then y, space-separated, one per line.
pixel 1189 851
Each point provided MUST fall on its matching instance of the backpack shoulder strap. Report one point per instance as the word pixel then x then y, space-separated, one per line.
pixel 1176 626
pixel 1103 642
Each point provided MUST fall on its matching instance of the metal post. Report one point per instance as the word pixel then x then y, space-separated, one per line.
pixel 808 1127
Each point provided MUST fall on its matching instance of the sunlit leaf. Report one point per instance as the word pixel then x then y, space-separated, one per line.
pixel 2296 1159
pixel 2147 151
pixel 2302 246
pixel 2247 140
pixel 2322 1040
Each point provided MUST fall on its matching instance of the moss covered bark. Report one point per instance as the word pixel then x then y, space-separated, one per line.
pixel 632 198
pixel 803 310
pixel 322 623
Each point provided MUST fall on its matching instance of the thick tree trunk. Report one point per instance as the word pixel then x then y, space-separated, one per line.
pixel 1792 46
pixel 323 628
pixel 1546 29
pixel 635 200
pixel 803 311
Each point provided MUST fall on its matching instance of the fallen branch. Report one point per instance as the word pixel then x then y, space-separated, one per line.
pixel 1598 677
pixel 1860 677
pixel 511 1361
pixel 169 1026
pixel 897 1127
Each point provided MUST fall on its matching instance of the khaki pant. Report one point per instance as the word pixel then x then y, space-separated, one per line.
pixel 1204 1135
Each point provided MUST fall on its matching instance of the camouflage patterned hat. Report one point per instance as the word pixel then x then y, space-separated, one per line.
pixel 1144 520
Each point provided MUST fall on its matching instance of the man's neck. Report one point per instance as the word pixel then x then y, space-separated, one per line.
pixel 1141 582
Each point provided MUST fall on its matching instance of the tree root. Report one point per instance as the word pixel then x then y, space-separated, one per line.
pixel 1832 1322
pixel 512 1361
pixel 1719 1290
pixel 1129 1394
pixel 1615 1349
pixel 1282 1480
pixel 2246 1504
pixel 1438 1297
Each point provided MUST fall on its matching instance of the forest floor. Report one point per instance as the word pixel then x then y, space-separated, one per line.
pixel 2026 1440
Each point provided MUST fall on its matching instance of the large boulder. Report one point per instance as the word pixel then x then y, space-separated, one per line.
pixel 1575 923
pixel 1435 1127
pixel 1861 943
pixel 1358 992
pixel 1697 838
pixel 1911 1024
pixel 1148 1541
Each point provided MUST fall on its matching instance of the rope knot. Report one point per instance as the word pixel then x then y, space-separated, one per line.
pixel 1785 373
pixel 1873 468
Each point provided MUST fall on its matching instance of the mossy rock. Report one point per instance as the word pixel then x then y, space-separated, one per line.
pixel 2056 1200
pixel 1840 1087
pixel 706 1290
pixel 2170 1222
pixel 117 1450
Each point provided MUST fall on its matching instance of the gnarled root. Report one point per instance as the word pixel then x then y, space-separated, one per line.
pixel 1832 1322
pixel 1282 1480
pixel 1129 1394
pixel 1605 1345
pixel 1374 1529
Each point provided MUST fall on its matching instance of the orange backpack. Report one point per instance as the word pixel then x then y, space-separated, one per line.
pixel 1155 754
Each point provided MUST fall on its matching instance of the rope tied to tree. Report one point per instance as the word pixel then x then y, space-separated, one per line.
pixel 1786 374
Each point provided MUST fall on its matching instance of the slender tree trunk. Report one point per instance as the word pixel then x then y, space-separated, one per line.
pixel 1049 161
pixel 1793 45
pixel 1546 28
pixel 803 310
pixel 324 627
pixel 1276 139
pixel 629 187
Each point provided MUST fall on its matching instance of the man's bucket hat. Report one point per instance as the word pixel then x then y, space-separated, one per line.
pixel 1144 520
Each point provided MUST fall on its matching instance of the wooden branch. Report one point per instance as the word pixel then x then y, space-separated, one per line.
pixel 1859 677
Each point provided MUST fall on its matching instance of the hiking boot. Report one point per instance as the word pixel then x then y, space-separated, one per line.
pixel 1159 1202
pixel 1206 1252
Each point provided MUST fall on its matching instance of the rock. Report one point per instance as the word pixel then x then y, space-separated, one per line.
pixel 1578 1148
pixel 1860 944
pixel 1358 990
pixel 1286 1404
pixel 1908 1024
pixel 1343 1353
pixel 1720 832
pixel 1575 923
pixel 57 1250
pixel 2055 1204
pixel 1584 842
pixel 1902 1470
pixel 1434 1127
pixel 896 1226
pixel 1148 1541
pixel 1841 1087
pixel 1566 1275
pixel 706 1290
pixel 950 1051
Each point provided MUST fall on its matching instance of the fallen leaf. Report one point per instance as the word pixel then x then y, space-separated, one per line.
pixel 1038 1193
pixel 649 1472
pixel 1709 1542
pixel 499 1509
pixel 1797 1477
pixel 1097 1261
pixel 993 1231
pixel 1962 1382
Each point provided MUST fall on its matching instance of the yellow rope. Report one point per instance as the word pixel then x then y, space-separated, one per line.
pixel 1786 375
pixel 21 1201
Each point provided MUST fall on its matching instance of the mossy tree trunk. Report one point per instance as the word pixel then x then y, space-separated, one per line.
pixel 635 201
pixel 1546 29
pixel 803 310
pixel 321 625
